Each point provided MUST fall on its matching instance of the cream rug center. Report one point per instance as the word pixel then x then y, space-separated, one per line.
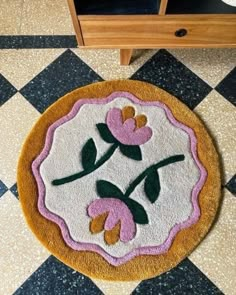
pixel 120 176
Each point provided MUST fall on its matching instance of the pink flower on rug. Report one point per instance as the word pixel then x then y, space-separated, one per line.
pixel 126 128
pixel 113 216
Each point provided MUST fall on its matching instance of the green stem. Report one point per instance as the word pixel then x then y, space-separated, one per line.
pixel 81 174
pixel 165 162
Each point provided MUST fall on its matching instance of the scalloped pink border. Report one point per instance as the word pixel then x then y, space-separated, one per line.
pixel 147 250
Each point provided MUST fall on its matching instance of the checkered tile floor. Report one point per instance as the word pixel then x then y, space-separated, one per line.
pixel 44 69
pixel 27 268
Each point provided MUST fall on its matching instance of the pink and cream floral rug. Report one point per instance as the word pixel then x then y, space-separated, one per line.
pixel 119 180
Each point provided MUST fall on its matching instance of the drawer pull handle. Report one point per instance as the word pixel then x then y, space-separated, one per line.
pixel 181 33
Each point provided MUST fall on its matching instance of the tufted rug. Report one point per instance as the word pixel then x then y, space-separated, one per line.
pixel 119 180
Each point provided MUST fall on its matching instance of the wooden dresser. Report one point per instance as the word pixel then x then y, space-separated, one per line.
pixel 153 24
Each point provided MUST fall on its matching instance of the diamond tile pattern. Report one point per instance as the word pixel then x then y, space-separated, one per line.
pixel 63 75
pixel 231 185
pixel 20 253
pixel 53 277
pixel 209 64
pixel 19 66
pixel 3 188
pixel 125 288
pixel 14 190
pixel 6 90
pixel 100 61
pixel 221 123
pixel 167 72
pixel 17 117
pixel 185 279
pixel 227 87
pixel 215 256
pixel 22 261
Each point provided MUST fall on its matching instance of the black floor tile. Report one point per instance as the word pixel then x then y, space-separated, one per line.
pixel 7 90
pixel 227 87
pixel 231 185
pixel 165 71
pixel 3 188
pixel 185 279
pixel 42 41
pixel 14 190
pixel 55 278
pixel 63 75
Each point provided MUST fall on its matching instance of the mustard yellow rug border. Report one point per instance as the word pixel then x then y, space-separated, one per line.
pixel 90 263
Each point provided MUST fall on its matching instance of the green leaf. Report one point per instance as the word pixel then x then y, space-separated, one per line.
pixel 106 189
pixel 131 151
pixel 152 186
pixel 137 210
pixel 105 133
pixel 88 154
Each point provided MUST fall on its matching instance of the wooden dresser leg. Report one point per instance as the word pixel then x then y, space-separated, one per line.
pixel 125 56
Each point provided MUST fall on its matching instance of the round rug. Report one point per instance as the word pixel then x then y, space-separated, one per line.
pixel 119 180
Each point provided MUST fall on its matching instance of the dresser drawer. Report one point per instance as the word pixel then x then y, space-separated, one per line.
pixel 154 31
